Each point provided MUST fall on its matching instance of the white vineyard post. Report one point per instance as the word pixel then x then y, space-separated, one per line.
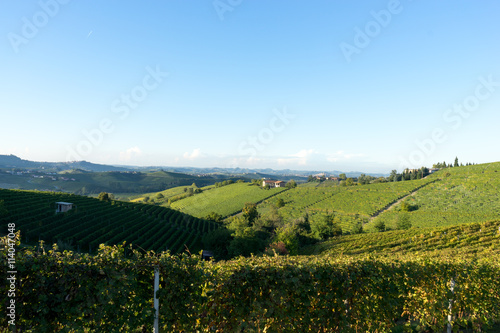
pixel 155 299
pixel 450 305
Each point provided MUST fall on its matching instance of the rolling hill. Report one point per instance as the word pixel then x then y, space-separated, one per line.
pixel 86 183
pixel 458 195
pixel 93 222
pixel 225 200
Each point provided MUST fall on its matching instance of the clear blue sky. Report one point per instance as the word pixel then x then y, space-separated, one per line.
pixel 324 85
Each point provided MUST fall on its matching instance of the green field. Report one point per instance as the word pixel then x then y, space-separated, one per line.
pixel 462 195
pixel 225 200
pixel 93 222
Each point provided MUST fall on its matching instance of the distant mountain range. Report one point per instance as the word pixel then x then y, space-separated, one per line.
pixel 13 162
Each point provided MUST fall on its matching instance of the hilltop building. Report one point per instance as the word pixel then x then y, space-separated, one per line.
pixel 273 183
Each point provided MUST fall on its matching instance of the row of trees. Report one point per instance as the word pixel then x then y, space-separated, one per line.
pixel 441 165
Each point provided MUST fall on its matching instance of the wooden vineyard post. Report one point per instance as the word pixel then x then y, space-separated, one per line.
pixel 155 299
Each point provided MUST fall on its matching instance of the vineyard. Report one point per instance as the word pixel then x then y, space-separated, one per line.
pixel 93 222
pixel 225 200
pixel 113 291
pixel 462 195
pixel 165 195
pixel 351 204
pixel 478 241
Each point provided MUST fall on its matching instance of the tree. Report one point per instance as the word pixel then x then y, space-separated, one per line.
pixel 349 182
pixel 403 222
pixel 288 235
pixel 303 223
pixel 280 203
pixel 278 248
pixel 159 196
pixel 456 162
pixel 380 226
pixel 393 177
pixel 342 176
pixel 213 216
pixel 326 227
pixel 250 213
pixel 218 242
pixel 104 196
pixel 245 246
pixel 407 207
pixel 357 228
pixel 291 184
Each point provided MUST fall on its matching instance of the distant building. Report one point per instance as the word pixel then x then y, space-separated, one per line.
pixel 62 207
pixel 273 183
pixel 333 178
pixel 433 170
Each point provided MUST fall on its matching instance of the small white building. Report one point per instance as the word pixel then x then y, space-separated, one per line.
pixel 274 183
pixel 62 207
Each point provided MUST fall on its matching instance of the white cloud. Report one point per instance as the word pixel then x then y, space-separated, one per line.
pixel 299 158
pixel 128 154
pixel 341 156
pixel 193 155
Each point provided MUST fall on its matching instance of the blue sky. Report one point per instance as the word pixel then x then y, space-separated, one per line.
pixel 325 85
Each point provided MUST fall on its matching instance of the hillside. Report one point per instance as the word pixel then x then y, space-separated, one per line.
pixel 162 197
pixel 93 222
pixel 86 183
pixel 14 162
pixel 392 281
pixel 459 195
pixel 477 241
pixel 225 200
pixel 352 204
